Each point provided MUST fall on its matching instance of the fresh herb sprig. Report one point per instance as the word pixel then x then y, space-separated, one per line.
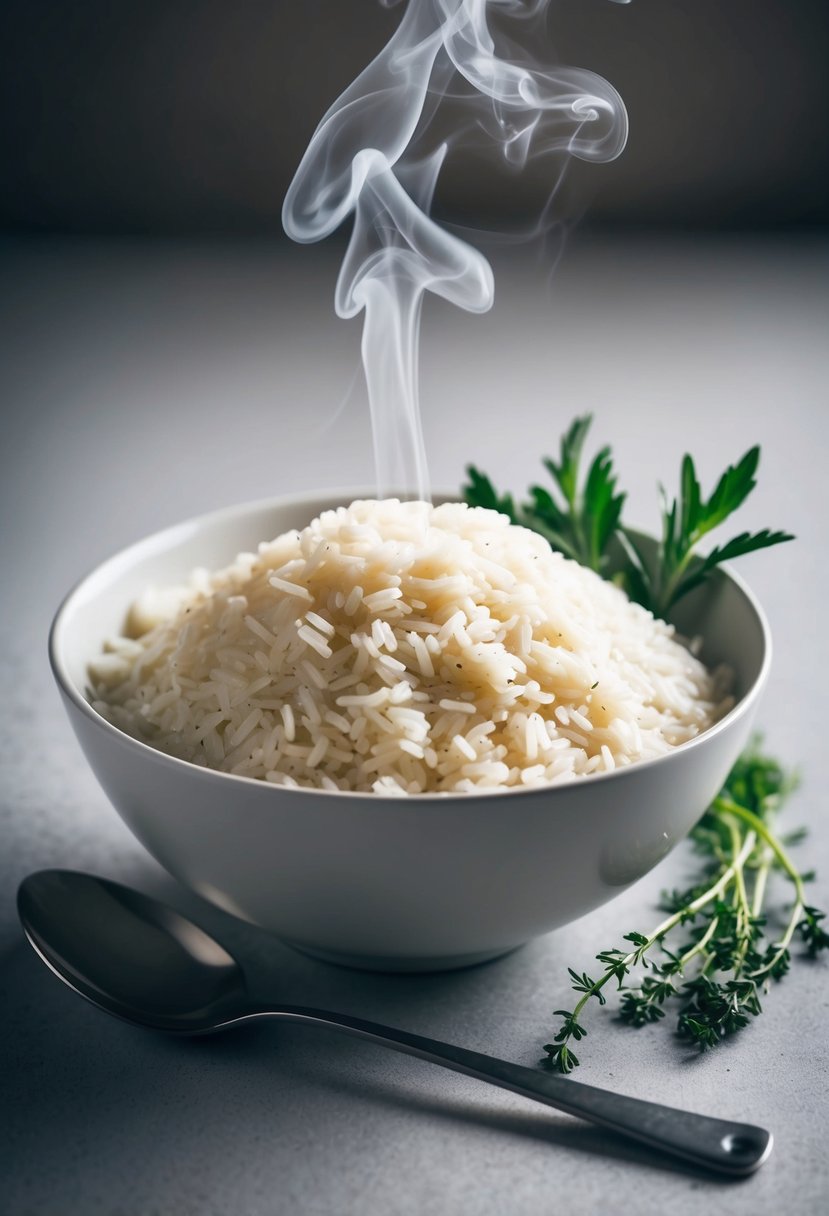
pixel 582 521
pixel 685 522
pixel 725 957
pixel 583 513
pixel 580 516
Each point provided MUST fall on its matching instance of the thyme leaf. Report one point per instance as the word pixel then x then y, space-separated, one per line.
pixel 722 957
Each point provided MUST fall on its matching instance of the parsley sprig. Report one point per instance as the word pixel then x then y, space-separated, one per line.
pixel 722 956
pixel 582 513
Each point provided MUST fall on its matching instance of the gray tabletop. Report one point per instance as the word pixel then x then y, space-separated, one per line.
pixel 143 384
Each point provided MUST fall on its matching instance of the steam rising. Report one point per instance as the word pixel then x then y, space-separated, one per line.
pixel 362 161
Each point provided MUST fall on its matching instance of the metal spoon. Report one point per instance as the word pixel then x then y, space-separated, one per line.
pixel 139 960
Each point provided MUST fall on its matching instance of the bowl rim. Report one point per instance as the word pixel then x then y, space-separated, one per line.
pixel 178 532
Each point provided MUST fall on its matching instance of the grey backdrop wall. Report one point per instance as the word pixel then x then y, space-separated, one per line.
pixel 171 116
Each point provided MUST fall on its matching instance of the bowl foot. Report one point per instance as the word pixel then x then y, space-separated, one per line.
pixel 396 963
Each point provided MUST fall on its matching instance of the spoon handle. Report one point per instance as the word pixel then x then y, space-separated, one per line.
pixel 731 1148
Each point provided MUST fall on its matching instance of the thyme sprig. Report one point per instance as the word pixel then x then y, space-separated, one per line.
pixel 581 514
pixel 725 958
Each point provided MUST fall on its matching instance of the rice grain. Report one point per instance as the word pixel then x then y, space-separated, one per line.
pixel 437 650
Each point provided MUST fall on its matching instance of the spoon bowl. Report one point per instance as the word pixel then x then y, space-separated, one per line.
pixel 130 955
pixel 138 959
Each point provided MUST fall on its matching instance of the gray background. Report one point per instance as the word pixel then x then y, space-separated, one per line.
pixel 148 302
pixel 169 116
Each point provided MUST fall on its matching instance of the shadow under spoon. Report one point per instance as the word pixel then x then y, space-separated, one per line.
pixel 138 959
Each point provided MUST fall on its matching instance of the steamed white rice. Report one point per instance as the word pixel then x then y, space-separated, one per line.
pixel 405 649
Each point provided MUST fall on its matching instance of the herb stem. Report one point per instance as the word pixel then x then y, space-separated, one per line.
pixel 768 837
pixel 761 878
pixel 781 947
pixel 700 946
pixel 668 590
pixel 670 922
pixel 741 901
pixel 719 886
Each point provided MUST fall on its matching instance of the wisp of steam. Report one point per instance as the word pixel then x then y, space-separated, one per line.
pixel 363 161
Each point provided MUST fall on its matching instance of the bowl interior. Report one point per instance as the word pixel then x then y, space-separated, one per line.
pixel 97 608
pixel 723 612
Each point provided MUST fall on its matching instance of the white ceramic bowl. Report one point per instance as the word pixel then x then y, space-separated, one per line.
pixel 401 884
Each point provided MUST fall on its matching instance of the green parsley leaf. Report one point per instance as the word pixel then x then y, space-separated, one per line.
pixel 580 515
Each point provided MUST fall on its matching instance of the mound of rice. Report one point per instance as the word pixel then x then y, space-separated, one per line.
pixel 404 649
